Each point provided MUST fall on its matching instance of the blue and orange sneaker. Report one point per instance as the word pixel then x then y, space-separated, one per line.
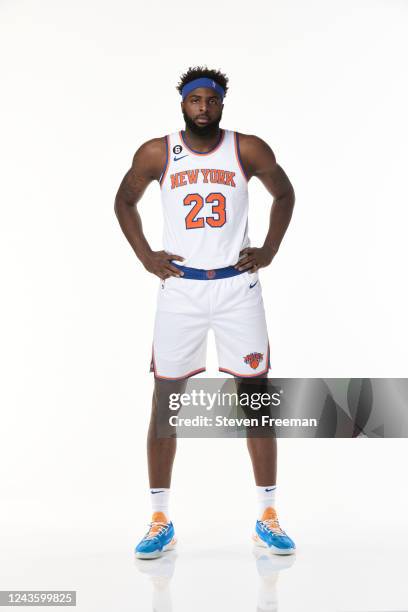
pixel 158 539
pixel 269 534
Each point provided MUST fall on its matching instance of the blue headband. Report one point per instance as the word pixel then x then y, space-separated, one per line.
pixel 203 82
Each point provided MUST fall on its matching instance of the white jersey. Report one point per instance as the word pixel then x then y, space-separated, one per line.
pixel 205 202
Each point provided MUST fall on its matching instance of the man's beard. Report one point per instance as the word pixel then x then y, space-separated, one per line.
pixel 202 130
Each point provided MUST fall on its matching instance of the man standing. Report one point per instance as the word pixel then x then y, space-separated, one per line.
pixel 209 276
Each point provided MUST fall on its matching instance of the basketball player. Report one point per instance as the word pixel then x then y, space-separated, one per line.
pixel 209 276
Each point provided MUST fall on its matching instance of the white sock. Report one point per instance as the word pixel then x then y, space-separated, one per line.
pixel 266 498
pixel 160 500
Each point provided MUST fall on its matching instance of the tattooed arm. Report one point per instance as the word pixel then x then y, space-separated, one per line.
pixel 147 165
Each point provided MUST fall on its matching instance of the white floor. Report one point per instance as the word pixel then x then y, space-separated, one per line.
pixel 338 567
pixel 344 503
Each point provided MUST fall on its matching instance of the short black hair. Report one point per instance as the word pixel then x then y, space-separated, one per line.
pixel 197 72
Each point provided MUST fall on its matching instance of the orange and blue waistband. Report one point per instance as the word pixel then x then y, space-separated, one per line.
pixel 198 274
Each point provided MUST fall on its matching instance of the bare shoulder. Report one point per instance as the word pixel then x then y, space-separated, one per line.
pixel 150 158
pixel 256 154
pixel 154 146
pixel 251 144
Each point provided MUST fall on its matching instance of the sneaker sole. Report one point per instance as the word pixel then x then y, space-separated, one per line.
pixel 157 553
pixel 274 549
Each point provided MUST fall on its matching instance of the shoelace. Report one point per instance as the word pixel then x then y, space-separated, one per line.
pixel 273 525
pixel 155 529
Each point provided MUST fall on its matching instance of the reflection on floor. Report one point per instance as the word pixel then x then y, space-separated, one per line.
pixel 268 567
pixel 160 572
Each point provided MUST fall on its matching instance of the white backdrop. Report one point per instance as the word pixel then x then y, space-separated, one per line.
pixel 84 83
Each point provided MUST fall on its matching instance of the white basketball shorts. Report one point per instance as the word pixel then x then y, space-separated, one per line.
pixel 187 308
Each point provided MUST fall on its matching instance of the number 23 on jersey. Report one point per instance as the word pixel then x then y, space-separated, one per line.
pixel 218 217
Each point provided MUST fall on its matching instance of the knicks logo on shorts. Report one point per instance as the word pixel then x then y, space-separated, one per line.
pixel 253 359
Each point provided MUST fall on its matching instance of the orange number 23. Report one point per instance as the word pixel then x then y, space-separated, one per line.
pixel 218 208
